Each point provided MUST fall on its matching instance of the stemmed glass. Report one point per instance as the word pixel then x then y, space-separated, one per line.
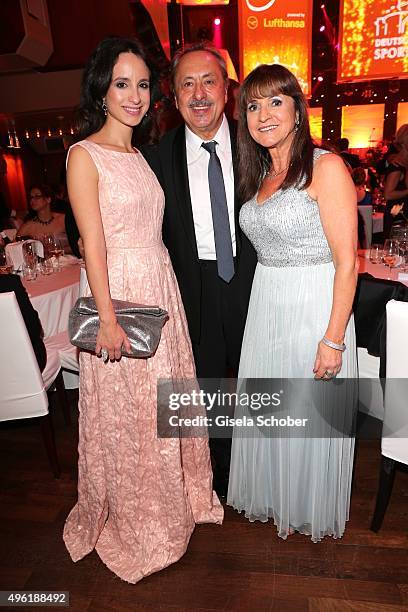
pixel 47 241
pixel 52 248
pixel 403 247
pixel 391 253
pixel 56 249
pixel 30 261
pixel 5 266
pixel 376 252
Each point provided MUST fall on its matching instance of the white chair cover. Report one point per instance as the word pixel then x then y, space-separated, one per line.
pixel 366 212
pixel 15 255
pixel 23 393
pixel 68 355
pixel 370 394
pixel 395 429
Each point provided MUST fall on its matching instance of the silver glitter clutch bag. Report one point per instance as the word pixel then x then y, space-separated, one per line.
pixel 142 325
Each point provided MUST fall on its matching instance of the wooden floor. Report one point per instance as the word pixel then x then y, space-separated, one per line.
pixel 239 566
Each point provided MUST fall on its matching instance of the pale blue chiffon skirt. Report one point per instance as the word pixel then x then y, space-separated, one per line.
pixel 301 483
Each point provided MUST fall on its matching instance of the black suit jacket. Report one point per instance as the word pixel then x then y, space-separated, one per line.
pixel 9 283
pixel 168 160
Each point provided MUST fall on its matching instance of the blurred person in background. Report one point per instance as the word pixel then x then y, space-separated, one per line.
pixel 396 182
pixel 41 220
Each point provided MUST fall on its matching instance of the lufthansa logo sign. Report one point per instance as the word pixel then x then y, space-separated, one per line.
pixel 252 22
pixel 263 7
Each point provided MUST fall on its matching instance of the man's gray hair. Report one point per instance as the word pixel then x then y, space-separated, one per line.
pixel 200 46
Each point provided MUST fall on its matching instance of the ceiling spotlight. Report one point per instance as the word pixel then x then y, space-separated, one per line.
pixel 322 28
pixel 320 78
pixel 217 21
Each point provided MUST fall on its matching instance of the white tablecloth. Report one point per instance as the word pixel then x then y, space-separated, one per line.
pixel 53 297
pixel 380 270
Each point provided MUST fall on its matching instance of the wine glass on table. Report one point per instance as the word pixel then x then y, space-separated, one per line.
pixel 5 266
pixel 391 253
pixel 55 249
pixel 376 253
pixel 30 261
pixel 403 247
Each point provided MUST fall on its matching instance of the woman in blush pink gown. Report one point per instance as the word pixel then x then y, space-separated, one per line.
pixel 139 496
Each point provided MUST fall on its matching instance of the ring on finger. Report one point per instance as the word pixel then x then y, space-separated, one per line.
pixel 104 354
pixel 329 374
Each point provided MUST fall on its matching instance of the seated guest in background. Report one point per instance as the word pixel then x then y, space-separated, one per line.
pixel 396 182
pixel 364 197
pixel 12 282
pixel 40 219
pixel 342 145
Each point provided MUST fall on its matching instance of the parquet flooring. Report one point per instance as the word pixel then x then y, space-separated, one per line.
pixel 240 566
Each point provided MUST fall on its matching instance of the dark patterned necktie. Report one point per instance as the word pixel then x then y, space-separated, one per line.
pixel 219 209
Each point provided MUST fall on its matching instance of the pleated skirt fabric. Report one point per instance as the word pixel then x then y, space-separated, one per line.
pixel 303 483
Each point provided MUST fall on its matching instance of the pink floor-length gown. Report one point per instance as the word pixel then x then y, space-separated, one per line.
pixel 139 496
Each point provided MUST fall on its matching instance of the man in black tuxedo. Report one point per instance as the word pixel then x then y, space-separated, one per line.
pixel 10 283
pixel 214 269
pixel 342 145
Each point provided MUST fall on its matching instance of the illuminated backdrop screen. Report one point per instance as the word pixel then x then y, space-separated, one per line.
pixel 373 39
pixel 362 125
pixel 276 32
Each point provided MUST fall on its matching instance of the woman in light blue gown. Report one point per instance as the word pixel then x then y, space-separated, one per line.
pixel 301 216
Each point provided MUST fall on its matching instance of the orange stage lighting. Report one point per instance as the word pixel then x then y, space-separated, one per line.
pixel 277 31
pixel 402 114
pixel 158 12
pixel 14 183
pixel 202 2
pixel 315 121
pixel 362 125
pixel 373 40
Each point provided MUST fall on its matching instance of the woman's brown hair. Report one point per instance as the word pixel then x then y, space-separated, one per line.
pixel 253 159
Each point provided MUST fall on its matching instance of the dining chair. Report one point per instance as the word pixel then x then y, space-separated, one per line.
pixel 366 212
pixel 370 393
pixel 23 387
pixel 68 355
pixel 394 442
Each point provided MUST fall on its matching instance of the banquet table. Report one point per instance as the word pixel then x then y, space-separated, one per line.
pixel 53 296
pixel 380 271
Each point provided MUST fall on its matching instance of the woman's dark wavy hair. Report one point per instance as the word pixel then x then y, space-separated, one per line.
pixel 46 191
pixel 253 159
pixel 96 80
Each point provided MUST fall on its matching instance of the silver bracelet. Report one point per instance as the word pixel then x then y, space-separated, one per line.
pixel 334 345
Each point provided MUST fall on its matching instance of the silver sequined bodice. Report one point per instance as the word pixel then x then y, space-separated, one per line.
pixel 286 229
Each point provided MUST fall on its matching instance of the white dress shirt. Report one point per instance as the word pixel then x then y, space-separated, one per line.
pixel 197 165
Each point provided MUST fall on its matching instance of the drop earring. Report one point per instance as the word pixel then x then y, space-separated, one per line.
pixel 296 125
pixel 104 108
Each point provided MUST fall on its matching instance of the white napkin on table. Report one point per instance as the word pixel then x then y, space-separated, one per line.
pixel 15 254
